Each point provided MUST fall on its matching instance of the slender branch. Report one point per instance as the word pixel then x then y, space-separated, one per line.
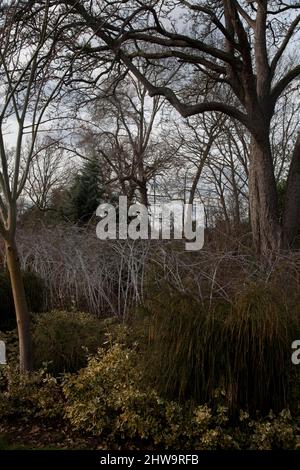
pixel 184 109
pixel 245 15
pixel 4 165
pixel 284 44
pixel 181 41
pixel 214 18
pixel 187 58
pixel 279 88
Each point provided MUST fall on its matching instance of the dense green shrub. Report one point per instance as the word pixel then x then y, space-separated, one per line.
pixel 35 291
pixel 273 432
pixel 62 340
pixel 108 399
pixel 29 396
pixel 242 348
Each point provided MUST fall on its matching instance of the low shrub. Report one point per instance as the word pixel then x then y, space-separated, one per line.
pixel 27 397
pixel 274 432
pixel 63 340
pixel 11 341
pixel 35 291
pixel 108 399
pixel 109 402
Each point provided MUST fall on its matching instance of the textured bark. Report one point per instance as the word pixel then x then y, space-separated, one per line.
pixel 291 214
pixel 263 199
pixel 22 314
pixel 144 193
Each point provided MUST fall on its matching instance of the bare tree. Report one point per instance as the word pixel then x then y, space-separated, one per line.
pixel 49 171
pixel 238 45
pixel 231 160
pixel 29 84
pixel 193 141
pixel 122 130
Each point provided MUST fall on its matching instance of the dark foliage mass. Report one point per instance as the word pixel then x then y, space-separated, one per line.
pixel 35 290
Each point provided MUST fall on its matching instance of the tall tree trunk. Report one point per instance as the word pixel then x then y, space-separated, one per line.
pixel 196 181
pixel 225 211
pixel 236 200
pixel 263 198
pixel 291 210
pixel 202 162
pixel 144 193
pixel 22 314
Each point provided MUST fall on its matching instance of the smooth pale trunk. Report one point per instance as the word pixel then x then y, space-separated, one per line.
pixel 22 314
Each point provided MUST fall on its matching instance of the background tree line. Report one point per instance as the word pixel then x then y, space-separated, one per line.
pixel 154 100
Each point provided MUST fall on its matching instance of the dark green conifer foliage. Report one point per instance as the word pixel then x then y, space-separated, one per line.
pixel 87 191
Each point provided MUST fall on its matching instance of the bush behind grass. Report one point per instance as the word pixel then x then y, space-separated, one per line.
pixel 63 340
pixel 35 291
pixel 28 397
